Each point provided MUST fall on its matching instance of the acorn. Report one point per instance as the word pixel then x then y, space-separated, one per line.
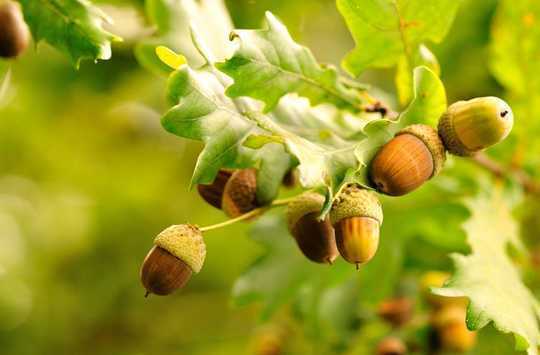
pixel 470 126
pixel 315 237
pixel 356 216
pixel 396 311
pixel 178 252
pixel 451 329
pixel 290 180
pixel 240 193
pixel 413 156
pixel 391 346
pixel 14 33
pixel 213 193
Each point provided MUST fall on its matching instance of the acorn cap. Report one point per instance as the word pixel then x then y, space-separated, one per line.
pixel 356 202
pixel 433 142
pixel 470 126
pixel 185 242
pixel 302 205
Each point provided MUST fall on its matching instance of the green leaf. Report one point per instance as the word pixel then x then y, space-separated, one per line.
pixel 277 277
pixel 173 19
pixel 72 26
pixel 489 278
pixel 429 101
pixel 203 112
pixel 384 30
pixel 404 73
pixel 268 64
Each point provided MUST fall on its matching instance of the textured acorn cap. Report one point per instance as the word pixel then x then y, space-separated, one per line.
pixel 356 202
pixel 185 242
pixel 304 204
pixel 433 142
pixel 470 126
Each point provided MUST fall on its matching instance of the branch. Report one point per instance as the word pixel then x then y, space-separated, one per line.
pixel 523 178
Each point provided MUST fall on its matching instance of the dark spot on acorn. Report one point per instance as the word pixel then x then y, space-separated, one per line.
pixel 213 193
pixel 504 113
pixel 162 273
pixel 14 33
pixel 315 238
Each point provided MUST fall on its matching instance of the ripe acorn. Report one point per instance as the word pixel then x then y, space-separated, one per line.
pixel 437 279
pixel 315 238
pixel 14 33
pixel 356 217
pixel 240 193
pixel 213 193
pixel 413 156
pixel 396 311
pixel 451 329
pixel 391 346
pixel 178 252
pixel 470 126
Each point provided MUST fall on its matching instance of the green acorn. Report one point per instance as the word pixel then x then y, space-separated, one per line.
pixel 178 252
pixel 357 216
pixel 413 156
pixel 14 33
pixel 470 126
pixel 315 238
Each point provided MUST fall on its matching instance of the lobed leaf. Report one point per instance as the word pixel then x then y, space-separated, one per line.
pixel 489 278
pixel 72 26
pixel 268 64
pixel 384 30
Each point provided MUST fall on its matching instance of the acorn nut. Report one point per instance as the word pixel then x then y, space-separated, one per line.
pixel 391 346
pixel 413 156
pixel 14 33
pixel 356 216
pixel 451 328
pixel 470 126
pixel 315 238
pixel 178 252
pixel 240 193
pixel 213 193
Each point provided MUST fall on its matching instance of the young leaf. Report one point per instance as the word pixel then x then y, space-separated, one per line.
pixel 172 19
pixel 72 26
pixel 385 30
pixel 489 278
pixel 203 112
pixel 268 64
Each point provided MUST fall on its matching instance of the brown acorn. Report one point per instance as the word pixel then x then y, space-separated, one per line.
pixel 413 156
pixel 315 238
pixel 396 311
pixel 290 180
pixel 14 33
pixel 178 252
pixel 240 193
pixel 213 193
pixel 356 217
pixel 391 346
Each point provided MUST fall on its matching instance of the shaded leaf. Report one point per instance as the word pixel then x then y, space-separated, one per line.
pixel 72 26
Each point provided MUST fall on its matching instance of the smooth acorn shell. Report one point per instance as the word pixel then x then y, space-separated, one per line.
pixel 471 126
pixel 316 239
pixel 162 273
pixel 401 166
pixel 391 346
pixel 14 33
pixel 357 238
pixel 240 193
pixel 213 193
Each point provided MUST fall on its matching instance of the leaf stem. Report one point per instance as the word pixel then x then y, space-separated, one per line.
pixel 248 215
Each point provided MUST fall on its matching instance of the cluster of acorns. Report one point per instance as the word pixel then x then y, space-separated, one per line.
pixel 416 154
pixel 14 33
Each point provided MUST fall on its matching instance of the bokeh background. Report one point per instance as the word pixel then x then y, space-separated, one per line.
pixel 88 178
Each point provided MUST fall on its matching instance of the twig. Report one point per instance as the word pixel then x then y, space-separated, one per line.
pixel 525 180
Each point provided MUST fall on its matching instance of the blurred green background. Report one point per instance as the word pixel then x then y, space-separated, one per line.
pixel 88 178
